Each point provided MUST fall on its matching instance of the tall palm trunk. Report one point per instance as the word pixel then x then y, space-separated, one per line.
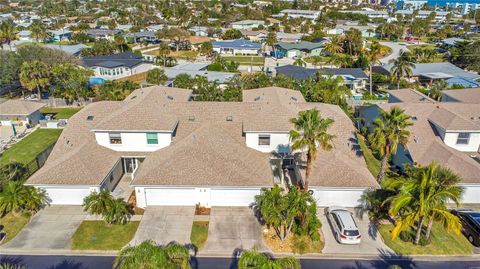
pixel 429 228
pixel 383 168
pixel 39 92
pixel 371 86
pixel 308 170
pixel 419 230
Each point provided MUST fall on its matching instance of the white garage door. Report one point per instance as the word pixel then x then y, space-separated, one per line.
pixel 338 197
pixel 471 194
pixel 232 197
pixel 155 196
pixel 61 196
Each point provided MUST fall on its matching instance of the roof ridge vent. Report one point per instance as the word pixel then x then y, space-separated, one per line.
pixel 170 97
pixel 229 118
pixel 191 118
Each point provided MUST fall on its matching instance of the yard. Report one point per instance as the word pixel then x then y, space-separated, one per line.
pixel 443 243
pixel 247 60
pixel 199 233
pixel 98 235
pixel 372 163
pixel 28 148
pixel 292 244
pixel 12 225
pixel 184 54
pixel 61 113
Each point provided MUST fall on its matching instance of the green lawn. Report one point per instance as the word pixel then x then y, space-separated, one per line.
pixel 199 233
pixel 247 60
pixel 184 54
pixel 443 243
pixel 28 148
pixel 13 225
pixel 372 163
pixel 61 113
pixel 97 235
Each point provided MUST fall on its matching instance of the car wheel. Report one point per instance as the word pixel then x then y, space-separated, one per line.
pixel 470 239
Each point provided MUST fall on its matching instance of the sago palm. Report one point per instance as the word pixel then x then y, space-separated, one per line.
pixel 251 259
pixel 389 131
pixel 310 132
pixel 17 197
pixel 402 66
pixel 98 203
pixel 34 75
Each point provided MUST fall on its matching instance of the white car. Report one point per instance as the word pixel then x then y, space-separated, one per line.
pixel 343 225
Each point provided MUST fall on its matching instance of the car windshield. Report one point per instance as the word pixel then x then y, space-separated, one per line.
pixel 352 233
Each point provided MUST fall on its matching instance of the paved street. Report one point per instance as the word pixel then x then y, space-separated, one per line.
pixel 371 242
pixel 164 224
pixel 50 229
pixel 233 228
pixel 396 47
pixel 105 262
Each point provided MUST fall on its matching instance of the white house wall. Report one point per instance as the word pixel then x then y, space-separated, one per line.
pixel 450 140
pixel 471 194
pixel 278 142
pixel 338 196
pixel 133 141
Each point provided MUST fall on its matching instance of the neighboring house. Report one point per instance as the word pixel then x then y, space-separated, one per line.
pixel 115 66
pixel 156 27
pixel 25 35
pixel 60 35
pixel 287 37
pixel 296 13
pixel 298 49
pixel 20 112
pixel 74 50
pixel 448 133
pixel 366 30
pixel 257 36
pixel 451 42
pixel 463 82
pixel 408 96
pixel 467 96
pixel 423 14
pixel 199 30
pixel 354 78
pixel 372 14
pixel 246 24
pixel 237 47
pixel 106 34
pixel 145 36
pixel 198 69
pixel 427 73
pixel 175 152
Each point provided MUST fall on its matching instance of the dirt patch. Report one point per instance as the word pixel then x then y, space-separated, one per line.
pixel 292 244
pixel 202 210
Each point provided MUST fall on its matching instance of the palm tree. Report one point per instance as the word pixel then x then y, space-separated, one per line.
pixel 311 130
pixel 12 172
pixel 163 52
pixel 299 62
pixel 334 46
pixel 149 255
pixel 390 130
pixel 11 266
pixel 316 60
pixel 34 75
pixel 374 54
pixel 16 197
pixel 402 66
pixel 38 30
pixel 118 212
pixel 437 88
pixel 7 34
pixel 424 195
pixel 251 259
pixel 97 203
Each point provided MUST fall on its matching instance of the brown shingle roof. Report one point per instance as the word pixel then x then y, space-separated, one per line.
pixel 410 96
pixel 471 96
pixel 19 107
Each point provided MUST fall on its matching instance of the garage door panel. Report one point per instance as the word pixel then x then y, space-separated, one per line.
pixel 156 196
pixel 346 198
pixel 229 197
pixel 60 196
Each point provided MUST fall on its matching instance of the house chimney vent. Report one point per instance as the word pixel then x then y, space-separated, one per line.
pixel 191 118
pixel 229 118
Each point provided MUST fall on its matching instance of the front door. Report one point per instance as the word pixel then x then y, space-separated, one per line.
pixel 129 165
pixel 203 195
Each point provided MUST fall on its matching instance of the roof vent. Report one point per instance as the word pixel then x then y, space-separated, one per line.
pixel 170 97
pixel 229 118
pixel 294 99
pixel 90 118
pixel 191 118
pixel 257 98
pixel 413 118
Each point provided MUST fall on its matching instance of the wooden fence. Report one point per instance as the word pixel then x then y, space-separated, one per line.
pixel 137 78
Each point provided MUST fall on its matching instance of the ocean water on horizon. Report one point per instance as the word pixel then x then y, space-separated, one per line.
pixel 443 3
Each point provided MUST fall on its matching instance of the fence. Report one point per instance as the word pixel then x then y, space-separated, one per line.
pixel 137 78
pixel 61 102
pixel 39 161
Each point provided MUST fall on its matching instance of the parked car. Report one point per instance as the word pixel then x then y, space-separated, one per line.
pixel 470 224
pixel 343 225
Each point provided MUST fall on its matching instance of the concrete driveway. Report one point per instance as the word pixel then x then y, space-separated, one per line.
pixel 371 242
pixel 165 224
pixel 233 228
pixel 50 229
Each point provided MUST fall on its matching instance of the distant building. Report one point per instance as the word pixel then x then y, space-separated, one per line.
pixel 115 66
pixel 298 49
pixel 20 112
pixel 198 69
pixel 199 30
pixel 74 50
pixel 372 14
pixel 423 14
pixel 145 36
pixel 296 13
pixel 106 34
pixel 247 24
pixel 411 4
pixel 237 47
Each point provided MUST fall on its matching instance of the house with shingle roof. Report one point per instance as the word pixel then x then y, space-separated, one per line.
pixel 445 132
pixel 299 49
pixel 115 66
pixel 20 112
pixel 469 96
pixel 173 151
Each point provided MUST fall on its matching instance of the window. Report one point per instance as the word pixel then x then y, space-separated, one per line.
pixel 264 140
pixel 152 138
pixel 115 138
pixel 463 138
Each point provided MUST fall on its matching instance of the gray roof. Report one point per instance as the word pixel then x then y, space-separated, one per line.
pixel 70 49
pixel 442 70
pixel 302 73
pixel 302 45
pixel 97 32
pixel 19 107
pixel 127 59
pixel 150 34
pixel 219 77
